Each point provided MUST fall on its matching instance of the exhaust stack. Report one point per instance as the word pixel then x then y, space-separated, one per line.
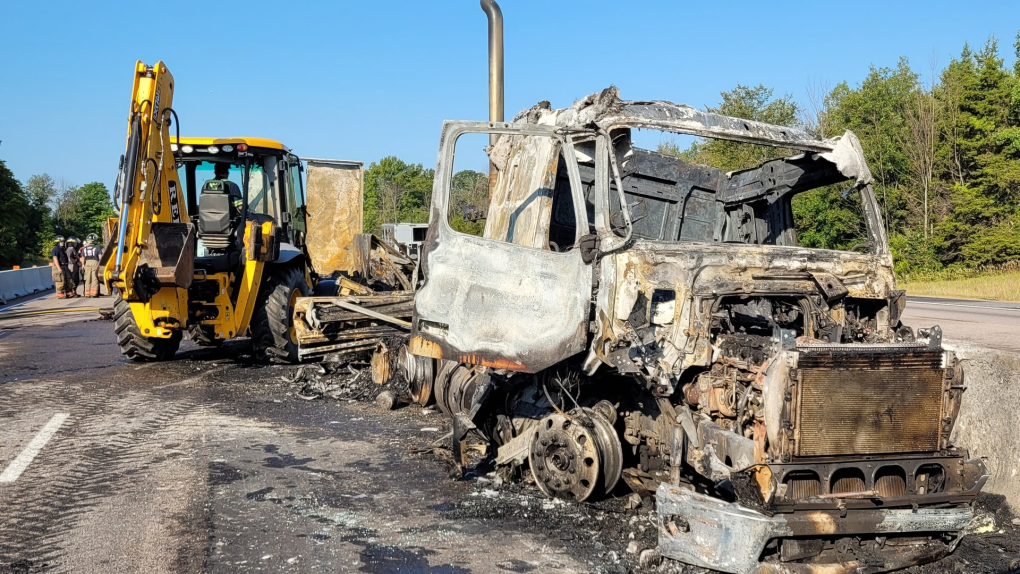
pixel 495 18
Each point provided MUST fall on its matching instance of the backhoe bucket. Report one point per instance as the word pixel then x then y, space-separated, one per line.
pixel 169 253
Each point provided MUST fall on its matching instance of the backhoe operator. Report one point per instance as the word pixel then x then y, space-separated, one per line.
pixel 221 171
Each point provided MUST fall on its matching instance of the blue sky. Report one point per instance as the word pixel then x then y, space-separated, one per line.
pixel 362 80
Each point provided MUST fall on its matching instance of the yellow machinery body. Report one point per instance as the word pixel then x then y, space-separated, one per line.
pixel 150 253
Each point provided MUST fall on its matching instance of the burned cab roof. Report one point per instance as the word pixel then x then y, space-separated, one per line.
pixel 605 110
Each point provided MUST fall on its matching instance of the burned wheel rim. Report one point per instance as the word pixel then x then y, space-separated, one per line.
pixel 564 458
pixel 425 385
pixel 419 374
pixel 442 383
pixel 610 448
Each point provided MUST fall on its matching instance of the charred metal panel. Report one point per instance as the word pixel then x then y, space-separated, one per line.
pixel 521 200
pixel 489 300
pixel 853 402
pixel 669 199
pixel 776 178
pixel 705 531
pixel 503 301
pixel 334 197
pixel 960 482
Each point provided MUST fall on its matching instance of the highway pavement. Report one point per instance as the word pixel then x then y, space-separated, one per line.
pixel 993 324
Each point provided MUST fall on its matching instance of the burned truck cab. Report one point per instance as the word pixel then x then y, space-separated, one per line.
pixel 630 317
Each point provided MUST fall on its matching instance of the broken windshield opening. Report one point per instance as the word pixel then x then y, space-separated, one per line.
pixel 730 192
pixel 530 202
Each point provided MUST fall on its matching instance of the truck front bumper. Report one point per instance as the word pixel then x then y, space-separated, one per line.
pixel 704 531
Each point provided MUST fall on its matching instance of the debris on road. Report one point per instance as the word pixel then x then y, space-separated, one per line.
pixel 386 400
pixel 346 381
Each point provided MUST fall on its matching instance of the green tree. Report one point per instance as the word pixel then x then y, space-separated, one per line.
pixel 469 201
pixel 83 210
pixel 874 112
pixel 41 191
pixel 15 208
pixel 829 218
pixel 981 158
pixel 396 191
pixel 751 103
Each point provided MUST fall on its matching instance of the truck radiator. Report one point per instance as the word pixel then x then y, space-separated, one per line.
pixel 855 401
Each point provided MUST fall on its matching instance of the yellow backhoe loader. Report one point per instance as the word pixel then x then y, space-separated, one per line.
pixel 210 238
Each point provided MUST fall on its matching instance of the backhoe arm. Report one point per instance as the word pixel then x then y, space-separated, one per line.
pixel 148 191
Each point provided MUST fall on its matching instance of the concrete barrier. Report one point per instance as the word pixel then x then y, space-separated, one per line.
pixel 33 279
pixel 43 278
pixel 11 286
pixel 989 417
pixel 30 281
pixel 20 282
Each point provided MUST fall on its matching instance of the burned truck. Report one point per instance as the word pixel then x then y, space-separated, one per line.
pixel 628 318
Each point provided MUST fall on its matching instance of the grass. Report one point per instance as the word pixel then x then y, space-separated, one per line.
pixel 994 284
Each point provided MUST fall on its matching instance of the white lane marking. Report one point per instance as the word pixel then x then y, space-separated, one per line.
pixel 19 464
pixel 915 302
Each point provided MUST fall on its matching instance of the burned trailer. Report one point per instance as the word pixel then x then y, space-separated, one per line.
pixel 631 317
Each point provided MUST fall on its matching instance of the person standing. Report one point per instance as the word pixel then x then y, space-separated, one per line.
pixel 73 264
pixel 58 269
pixel 90 255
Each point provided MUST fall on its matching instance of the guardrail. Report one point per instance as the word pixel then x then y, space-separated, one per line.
pixel 20 282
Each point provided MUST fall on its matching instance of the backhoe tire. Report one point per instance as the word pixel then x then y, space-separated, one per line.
pixel 136 346
pixel 272 319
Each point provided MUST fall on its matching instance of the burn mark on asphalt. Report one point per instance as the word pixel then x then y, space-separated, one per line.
pixel 259 494
pixel 222 473
pixel 514 565
pixel 283 460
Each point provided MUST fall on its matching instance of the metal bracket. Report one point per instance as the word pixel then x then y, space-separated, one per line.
pixel 589 247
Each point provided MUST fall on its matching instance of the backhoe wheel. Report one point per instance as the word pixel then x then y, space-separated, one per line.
pixel 136 346
pixel 272 333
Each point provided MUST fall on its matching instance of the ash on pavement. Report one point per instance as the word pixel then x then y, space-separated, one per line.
pixel 214 463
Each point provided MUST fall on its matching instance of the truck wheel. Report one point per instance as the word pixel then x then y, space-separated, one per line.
pixel 271 322
pixel 136 346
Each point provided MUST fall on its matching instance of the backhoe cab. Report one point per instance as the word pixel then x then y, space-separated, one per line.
pixel 213 255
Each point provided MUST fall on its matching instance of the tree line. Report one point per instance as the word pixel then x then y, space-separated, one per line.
pixel 396 191
pixel 943 147
pixel 34 214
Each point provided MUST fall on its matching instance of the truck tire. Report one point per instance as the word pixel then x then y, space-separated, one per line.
pixel 136 346
pixel 271 321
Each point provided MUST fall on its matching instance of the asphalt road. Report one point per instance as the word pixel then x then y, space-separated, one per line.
pixel 210 463
pixel 991 324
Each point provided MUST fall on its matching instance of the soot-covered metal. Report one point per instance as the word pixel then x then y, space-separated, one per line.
pixel 633 320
